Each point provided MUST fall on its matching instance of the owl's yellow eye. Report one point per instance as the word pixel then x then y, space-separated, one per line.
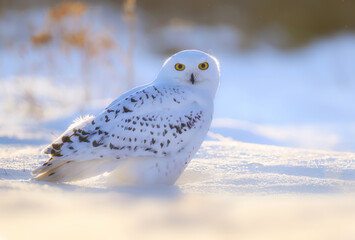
pixel 203 66
pixel 179 66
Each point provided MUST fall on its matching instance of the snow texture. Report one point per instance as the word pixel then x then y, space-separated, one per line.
pixel 233 180
pixel 227 166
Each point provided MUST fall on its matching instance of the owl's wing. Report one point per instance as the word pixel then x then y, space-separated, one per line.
pixel 151 121
pixel 127 94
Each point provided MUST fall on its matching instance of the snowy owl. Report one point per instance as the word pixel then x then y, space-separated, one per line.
pixel 146 136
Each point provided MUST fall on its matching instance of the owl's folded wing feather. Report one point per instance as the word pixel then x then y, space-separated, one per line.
pixel 151 121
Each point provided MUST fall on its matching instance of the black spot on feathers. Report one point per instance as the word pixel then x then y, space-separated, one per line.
pixel 113 147
pixel 96 144
pixel 151 150
pixel 176 127
pixel 84 132
pixel 83 139
pixel 57 146
pixel 126 110
pixel 55 153
pixel 66 139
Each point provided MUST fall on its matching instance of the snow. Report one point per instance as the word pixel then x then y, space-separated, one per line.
pixel 230 190
pixel 227 166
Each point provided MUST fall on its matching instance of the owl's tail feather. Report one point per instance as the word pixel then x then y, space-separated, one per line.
pixel 69 171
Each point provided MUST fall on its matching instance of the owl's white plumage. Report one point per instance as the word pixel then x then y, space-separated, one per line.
pixel 146 136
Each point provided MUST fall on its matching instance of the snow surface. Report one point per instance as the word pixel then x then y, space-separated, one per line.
pixel 226 166
pixel 230 190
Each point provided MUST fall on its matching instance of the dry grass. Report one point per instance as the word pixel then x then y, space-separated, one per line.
pixel 77 39
pixel 66 27
pixel 41 39
pixel 67 9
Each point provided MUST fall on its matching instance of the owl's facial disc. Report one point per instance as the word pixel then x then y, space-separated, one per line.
pixel 192 68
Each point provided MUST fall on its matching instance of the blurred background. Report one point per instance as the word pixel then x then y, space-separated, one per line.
pixel 287 67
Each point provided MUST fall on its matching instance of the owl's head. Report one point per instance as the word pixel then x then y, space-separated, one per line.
pixel 192 68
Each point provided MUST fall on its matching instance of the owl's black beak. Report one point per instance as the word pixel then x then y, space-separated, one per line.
pixel 192 78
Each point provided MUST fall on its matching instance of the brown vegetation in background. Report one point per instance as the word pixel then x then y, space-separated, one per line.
pixel 42 38
pixel 66 28
pixel 284 23
pixel 76 39
pixel 299 22
pixel 67 9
